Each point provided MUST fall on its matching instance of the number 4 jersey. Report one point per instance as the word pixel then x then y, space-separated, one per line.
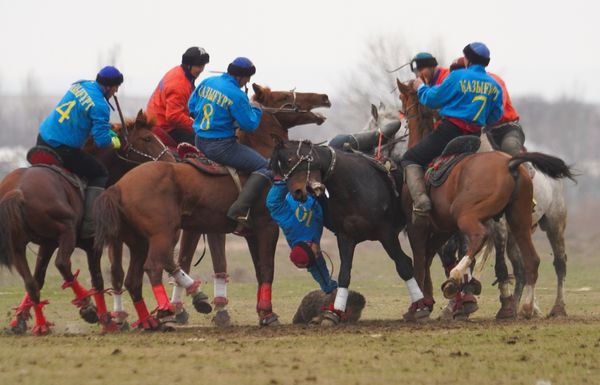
pixel 469 94
pixel 81 112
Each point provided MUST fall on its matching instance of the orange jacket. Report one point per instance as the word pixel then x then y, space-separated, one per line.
pixel 168 105
pixel 439 75
pixel 510 114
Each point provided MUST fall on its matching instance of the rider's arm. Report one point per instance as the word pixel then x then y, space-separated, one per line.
pixel 176 112
pixel 100 115
pixel 276 203
pixel 438 96
pixel 497 108
pixel 247 116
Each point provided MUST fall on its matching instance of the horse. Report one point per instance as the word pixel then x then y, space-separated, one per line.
pixel 549 214
pixel 39 205
pixel 148 207
pixel 480 187
pixel 362 205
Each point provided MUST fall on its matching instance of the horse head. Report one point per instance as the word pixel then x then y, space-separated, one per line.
pixel 301 164
pixel 419 117
pixel 139 144
pixel 291 108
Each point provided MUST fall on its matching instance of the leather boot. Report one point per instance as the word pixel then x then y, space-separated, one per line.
pixel 416 186
pixel 252 190
pixel 88 226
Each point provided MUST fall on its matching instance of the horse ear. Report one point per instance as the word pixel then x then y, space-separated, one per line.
pixel 140 119
pixel 404 89
pixel 374 112
pixel 258 92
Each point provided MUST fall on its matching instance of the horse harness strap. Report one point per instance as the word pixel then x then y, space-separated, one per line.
pixel 73 179
pixel 235 176
pixel 331 167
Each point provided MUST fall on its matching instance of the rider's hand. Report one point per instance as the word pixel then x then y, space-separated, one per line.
pixel 114 138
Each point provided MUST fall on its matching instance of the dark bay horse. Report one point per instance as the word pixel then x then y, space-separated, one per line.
pixel 480 187
pixel 38 205
pixel 149 206
pixel 362 205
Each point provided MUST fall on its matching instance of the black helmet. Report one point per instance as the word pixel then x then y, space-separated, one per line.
pixel 195 56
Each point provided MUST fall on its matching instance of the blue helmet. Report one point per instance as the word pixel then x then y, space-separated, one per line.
pixel 109 76
pixel 241 66
pixel 477 53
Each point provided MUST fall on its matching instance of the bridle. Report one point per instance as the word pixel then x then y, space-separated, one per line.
pixel 287 107
pixel 309 158
pixel 129 148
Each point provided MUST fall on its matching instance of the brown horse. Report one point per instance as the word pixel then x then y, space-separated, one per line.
pixel 38 205
pixel 147 208
pixel 480 187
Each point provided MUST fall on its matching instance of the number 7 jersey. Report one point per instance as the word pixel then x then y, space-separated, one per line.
pixel 81 112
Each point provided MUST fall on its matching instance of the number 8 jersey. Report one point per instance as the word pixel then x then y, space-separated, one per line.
pixel 81 112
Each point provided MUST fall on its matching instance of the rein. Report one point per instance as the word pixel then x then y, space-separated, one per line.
pixel 309 158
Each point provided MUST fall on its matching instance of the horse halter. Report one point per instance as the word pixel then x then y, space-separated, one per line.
pixel 309 158
pixel 130 148
pixel 287 107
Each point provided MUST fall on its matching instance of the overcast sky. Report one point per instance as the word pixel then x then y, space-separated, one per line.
pixel 538 47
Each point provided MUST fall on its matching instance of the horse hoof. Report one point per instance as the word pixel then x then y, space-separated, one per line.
pixel 557 312
pixel 527 312
pixel 167 326
pixel 507 309
pixel 123 326
pixel 330 318
pixel 222 319
pixel 182 317
pixel 41 330
pixel 18 326
pixel 269 320
pixel 450 288
pixel 465 310
pixel 200 301
pixel 89 314
pixel 447 312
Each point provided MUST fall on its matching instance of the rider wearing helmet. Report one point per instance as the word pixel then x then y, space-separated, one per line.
pixel 168 104
pixel 84 111
pixel 425 66
pixel 219 107
pixel 467 99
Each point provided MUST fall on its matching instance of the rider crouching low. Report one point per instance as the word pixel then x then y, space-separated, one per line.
pixel 468 99
pixel 219 106
pixel 84 110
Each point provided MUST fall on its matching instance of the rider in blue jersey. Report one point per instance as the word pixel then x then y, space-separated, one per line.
pixel 84 111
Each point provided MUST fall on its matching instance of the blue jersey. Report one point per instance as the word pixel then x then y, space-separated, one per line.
pixel 219 106
pixel 468 94
pixel 300 221
pixel 83 110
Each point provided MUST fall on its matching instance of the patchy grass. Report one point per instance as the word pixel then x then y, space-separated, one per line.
pixel 379 349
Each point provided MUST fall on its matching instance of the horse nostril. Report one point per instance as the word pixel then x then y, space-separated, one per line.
pixel 326 99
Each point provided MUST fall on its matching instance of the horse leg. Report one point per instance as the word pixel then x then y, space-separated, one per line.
pixel 216 243
pixel 66 246
pixel 418 243
pixel 476 232
pixel 519 220
pixel 19 324
pixel 262 249
pixel 133 282
pixel 555 232
pixel 419 308
pixel 499 234
pixel 104 318
pixel 115 255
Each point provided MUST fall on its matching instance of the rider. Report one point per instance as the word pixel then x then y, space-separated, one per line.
pixel 302 225
pixel 425 66
pixel 168 104
pixel 507 133
pixel 467 100
pixel 219 106
pixel 84 110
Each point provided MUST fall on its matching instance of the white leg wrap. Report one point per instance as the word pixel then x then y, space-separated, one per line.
pixel 183 279
pixel 117 302
pixel 341 298
pixel 505 291
pixel 220 287
pixel 463 268
pixel 178 293
pixel 414 291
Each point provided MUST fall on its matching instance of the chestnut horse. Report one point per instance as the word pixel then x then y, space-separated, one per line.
pixel 38 205
pixel 147 208
pixel 480 187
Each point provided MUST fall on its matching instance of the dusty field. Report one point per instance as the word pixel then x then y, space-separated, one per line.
pixel 380 349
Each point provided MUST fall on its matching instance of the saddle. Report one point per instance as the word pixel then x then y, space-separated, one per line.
pixel 456 150
pixel 42 156
pixel 191 155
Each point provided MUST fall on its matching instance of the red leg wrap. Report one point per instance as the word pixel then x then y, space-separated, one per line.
pixel 220 301
pixel 100 303
pixel 42 326
pixel 264 297
pixel 24 306
pixel 145 320
pixel 81 294
pixel 161 298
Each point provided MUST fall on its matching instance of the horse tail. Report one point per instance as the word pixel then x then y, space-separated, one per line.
pixel 13 224
pixel 552 166
pixel 107 211
pixel 487 249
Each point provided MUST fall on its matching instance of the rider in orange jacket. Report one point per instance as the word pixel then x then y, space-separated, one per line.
pixel 168 105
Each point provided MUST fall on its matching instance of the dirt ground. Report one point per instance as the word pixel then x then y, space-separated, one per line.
pixel 379 349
